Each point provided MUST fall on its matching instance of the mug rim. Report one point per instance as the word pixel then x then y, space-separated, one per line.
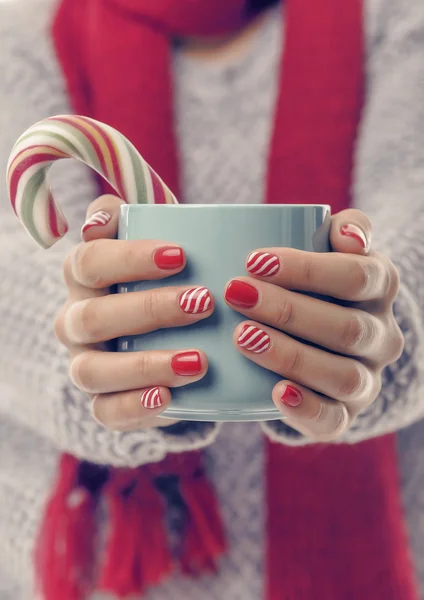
pixel 226 206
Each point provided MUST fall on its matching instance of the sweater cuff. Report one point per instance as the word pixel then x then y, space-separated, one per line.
pixel 87 440
pixel 189 435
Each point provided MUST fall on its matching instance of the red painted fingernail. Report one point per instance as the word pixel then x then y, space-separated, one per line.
pixel 263 264
pixel 196 300
pixel 99 218
pixel 291 396
pixel 169 257
pixel 186 363
pixel 241 294
pixel 254 339
pixel 355 232
pixel 151 398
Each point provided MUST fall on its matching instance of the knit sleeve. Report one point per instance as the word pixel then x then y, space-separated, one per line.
pixel 34 387
pixel 389 187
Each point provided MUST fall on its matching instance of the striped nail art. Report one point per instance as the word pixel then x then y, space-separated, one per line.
pixel 263 264
pixel 196 300
pixel 356 233
pixel 98 218
pixel 254 339
pixel 151 398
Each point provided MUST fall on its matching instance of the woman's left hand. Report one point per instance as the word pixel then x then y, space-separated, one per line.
pixel 330 353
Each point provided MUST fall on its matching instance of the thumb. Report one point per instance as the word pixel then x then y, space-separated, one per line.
pixel 350 232
pixel 102 218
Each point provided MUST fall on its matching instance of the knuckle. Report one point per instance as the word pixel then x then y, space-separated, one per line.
pixel 352 334
pixel 158 308
pixel 144 363
pixel 336 419
pixel 100 415
pixel 307 270
pixel 361 276
pixel 285 314
pixel 353 383
pixel 397 343
pixel 88 323
pixel 398 346
pixel 59 328
pixel 393 280
pixel 293 362
pixel 376 388
pixel 385 276
pixel 84 259
pixel 67 270
pixel 150 302
pixel 81 372
pixel 359 333
pixel 320 414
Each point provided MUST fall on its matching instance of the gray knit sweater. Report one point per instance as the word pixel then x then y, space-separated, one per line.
pixel 218 107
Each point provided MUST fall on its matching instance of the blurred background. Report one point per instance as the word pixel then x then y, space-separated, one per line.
pixel 223 92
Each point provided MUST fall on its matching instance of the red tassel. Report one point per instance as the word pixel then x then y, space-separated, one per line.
pixel 136 554
pixel 64 550
pixel 204 540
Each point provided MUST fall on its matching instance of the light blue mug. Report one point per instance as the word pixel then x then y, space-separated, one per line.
pixel 217 240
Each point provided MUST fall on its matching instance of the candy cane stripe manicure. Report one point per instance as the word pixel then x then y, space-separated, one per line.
pixel 98 218
pixel 263 263
pixel 151 398
pixel 196 300
pixel 356 233
pixel 254 339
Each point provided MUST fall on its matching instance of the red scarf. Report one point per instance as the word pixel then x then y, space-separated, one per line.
pixel 335 525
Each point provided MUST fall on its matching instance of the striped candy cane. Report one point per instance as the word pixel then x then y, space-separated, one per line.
pixel 99 146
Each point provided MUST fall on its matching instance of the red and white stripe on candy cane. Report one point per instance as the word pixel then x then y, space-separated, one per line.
pixel 97 145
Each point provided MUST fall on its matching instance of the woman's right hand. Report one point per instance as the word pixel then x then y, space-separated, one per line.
pixel 128 389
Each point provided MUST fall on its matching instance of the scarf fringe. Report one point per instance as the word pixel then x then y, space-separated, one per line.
pixel 204 538
pixel 64 550
pixel 137 551
pixel 136 554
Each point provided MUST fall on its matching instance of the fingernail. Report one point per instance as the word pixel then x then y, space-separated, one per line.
pixel 186 363
pixel 291 396
pixel 254 339
pixel 263 264
pixel 151 398
pixel 99 218
pixel 241 294
pixel 169 257
pixel 196 300
pixel 355 232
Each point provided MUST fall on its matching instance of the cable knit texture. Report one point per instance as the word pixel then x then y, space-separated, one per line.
pixel 218 108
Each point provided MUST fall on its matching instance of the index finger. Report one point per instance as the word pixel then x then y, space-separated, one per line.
pixel 102 220
pixel 102 263
pixel 343 276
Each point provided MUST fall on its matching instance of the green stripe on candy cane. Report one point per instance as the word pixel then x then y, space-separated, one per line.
pixel 70 147
pixel 26 211
pixel 74 131
pixel 139 174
